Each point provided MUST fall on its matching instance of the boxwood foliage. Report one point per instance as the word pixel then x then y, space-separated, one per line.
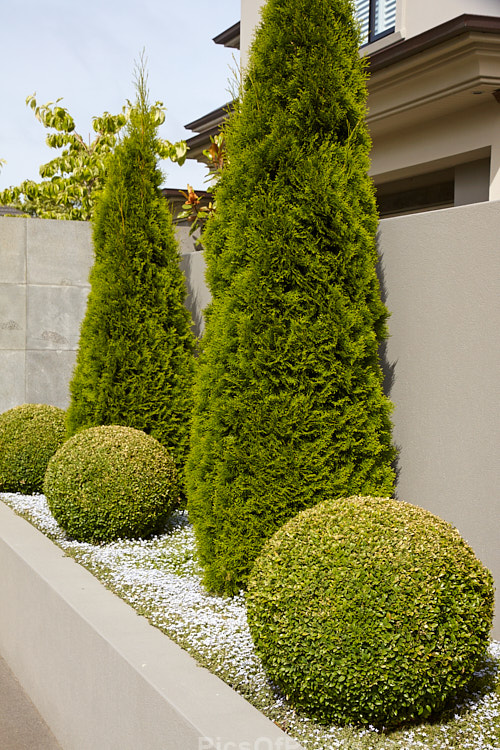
pixel 135 356
pixel 111 482
pixel 289 402
pixel 369 611
pixel 29 435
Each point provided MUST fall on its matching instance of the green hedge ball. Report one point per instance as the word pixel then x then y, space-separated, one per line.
pixel 29 436
pixel 369 611
pixel 111 482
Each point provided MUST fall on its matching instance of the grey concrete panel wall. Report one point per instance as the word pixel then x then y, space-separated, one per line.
pixel 13 251
pixel 193 266
pixel 12 378
pixel 99 674
pixel 12 316
pixel 187 242
pixel 44 268
pixel 48 374
pixel 441 273
pixel 59 252
pixel 53 316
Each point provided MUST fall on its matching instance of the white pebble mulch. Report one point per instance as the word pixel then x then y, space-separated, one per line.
pixel 161 579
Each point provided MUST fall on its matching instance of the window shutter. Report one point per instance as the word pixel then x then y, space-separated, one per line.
pixel 362 12
pixel 385 15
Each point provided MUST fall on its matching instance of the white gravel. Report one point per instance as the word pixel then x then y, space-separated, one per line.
pixel 161 579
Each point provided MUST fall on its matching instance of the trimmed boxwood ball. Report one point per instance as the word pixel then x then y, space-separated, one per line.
pixel 29 435
pixel 111 482
pixel 369 611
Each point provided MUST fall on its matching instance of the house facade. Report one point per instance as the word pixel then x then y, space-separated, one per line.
pixel 434 106
pixel 434 99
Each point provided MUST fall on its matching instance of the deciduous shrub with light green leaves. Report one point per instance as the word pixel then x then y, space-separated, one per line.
pixel 369 611
pixel 29 435
pixel 111 482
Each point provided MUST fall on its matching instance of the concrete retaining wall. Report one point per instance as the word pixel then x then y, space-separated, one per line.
pixel 44 268
pixel 98 673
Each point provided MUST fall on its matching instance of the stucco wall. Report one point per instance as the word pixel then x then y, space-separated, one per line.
pixel 438 142
pixel 250 19
pixel 416 16
pixel 441 275
pixel 412 17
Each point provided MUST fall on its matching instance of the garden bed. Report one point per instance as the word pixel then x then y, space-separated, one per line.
pixel 160 579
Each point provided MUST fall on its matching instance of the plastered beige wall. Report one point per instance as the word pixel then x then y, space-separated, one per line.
pixel 441 275
pixel 440 142
pixel 416 16
pixel 101 676
pixel 250 18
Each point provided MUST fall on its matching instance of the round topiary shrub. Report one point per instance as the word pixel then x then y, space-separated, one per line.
pixel 29 435
pixel 369 611
pixel 111 482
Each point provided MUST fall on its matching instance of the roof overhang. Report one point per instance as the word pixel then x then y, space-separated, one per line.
pixel 206 127
pixel 206 122
pixel 230 37
pixel 444 70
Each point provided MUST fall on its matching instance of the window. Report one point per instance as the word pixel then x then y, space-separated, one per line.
pixel 459 185
pixel 377 18
pixel 426 192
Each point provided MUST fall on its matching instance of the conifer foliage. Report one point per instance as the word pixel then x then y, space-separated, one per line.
pixel 289 407
pixel 135 358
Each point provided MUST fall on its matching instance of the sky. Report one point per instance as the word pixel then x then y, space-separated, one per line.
pixel 85 52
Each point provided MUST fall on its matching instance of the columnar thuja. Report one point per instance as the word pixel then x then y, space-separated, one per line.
pixel 135 357
pixel 289 402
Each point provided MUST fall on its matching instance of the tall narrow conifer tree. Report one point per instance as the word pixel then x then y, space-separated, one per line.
pixel 135 358
pixel 289 407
